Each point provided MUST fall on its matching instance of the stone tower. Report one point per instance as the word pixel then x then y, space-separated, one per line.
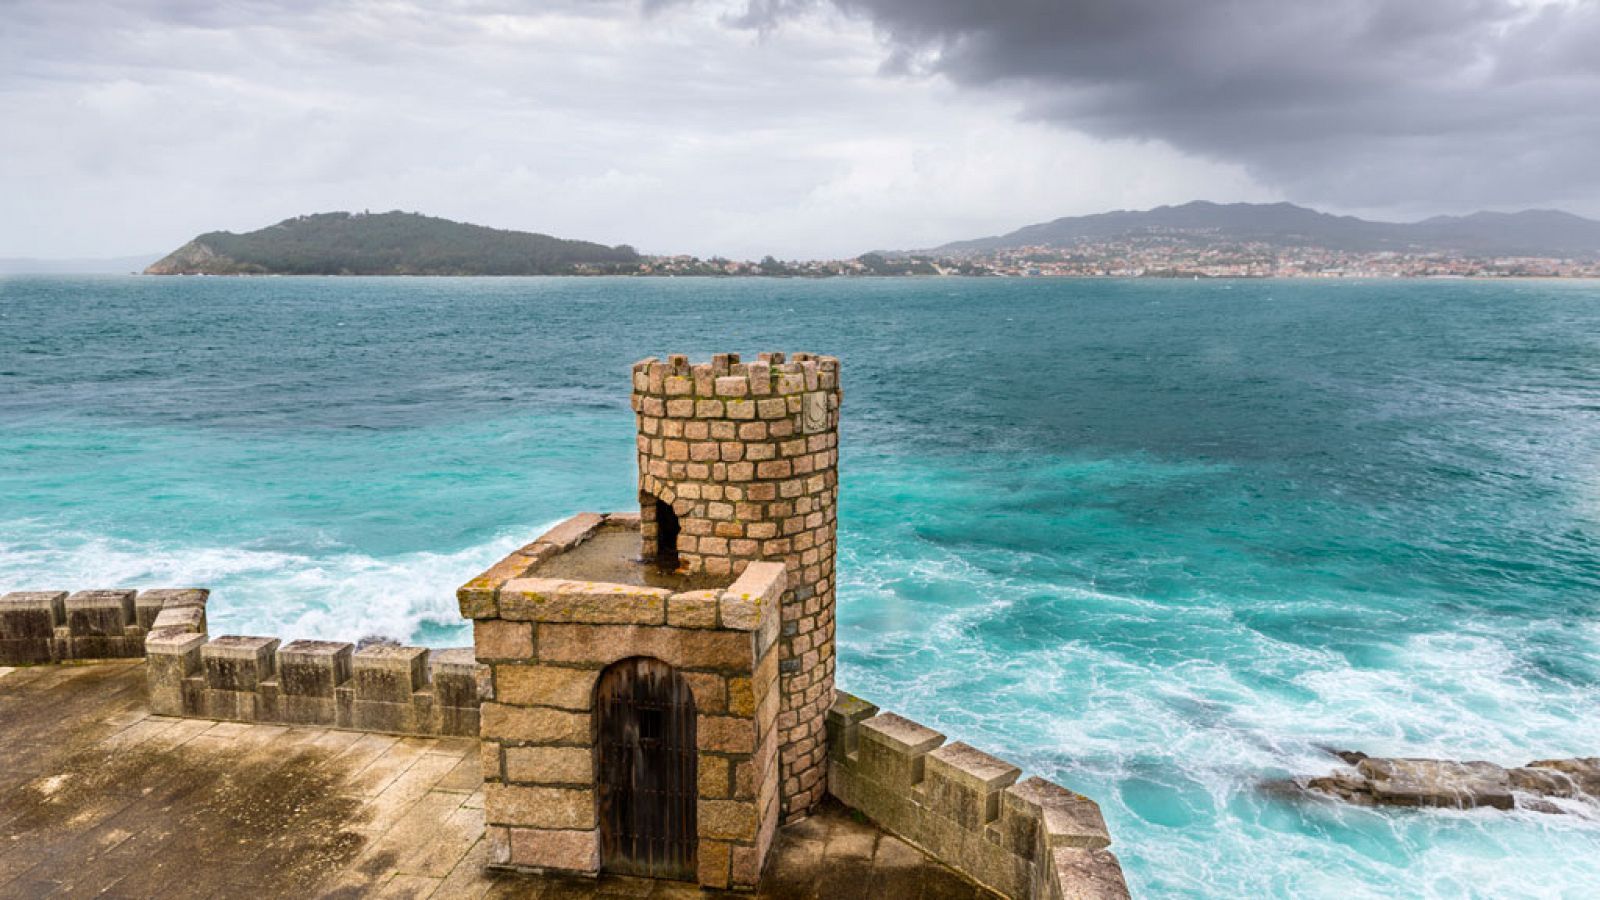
pixel 738 462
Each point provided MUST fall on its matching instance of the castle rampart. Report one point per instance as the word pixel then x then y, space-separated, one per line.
pixel 58 626
pixel 331 684
pixel 652 692
pixel 1027 840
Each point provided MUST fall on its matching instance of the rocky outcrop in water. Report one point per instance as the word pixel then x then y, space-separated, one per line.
pixel 1461 785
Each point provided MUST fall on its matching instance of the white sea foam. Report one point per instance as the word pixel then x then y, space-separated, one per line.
pixel 338 594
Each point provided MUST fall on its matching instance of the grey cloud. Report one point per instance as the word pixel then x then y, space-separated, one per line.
pixel 1359 103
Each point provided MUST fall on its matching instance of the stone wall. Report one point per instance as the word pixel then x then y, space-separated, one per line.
pixel 1027 840
pixel 329 684
pixel 746 457
pixel 547 642
pixel 55 626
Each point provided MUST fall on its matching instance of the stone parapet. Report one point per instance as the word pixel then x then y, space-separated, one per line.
pixel 329 684
pixel 1027 839
pixel 738 462
pixel 56 626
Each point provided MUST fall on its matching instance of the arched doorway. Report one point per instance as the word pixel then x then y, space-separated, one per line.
pixel 646 767
pixel 666 555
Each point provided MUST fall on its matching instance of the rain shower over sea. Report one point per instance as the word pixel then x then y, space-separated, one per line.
pixel 1159 541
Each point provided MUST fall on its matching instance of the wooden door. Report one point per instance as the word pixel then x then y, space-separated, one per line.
pixel 647 766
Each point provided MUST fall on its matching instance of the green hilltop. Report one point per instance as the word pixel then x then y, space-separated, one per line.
pixel 391 243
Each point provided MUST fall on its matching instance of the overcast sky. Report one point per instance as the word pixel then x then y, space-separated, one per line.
pixel 794 127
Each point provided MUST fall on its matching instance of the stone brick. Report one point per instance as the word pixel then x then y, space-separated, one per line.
pixel 572 532
pixel 710 691
pixel 733 820
pixel 746 867
pixel 1079 874
pixel 605 644
pixel 893 748
pixel 499 639
pixel 741 698
pixel 498 840
pixel 293 709
pixel 544 685
pixel 457 677
pixel 539 807
pixel 744 781
pixel 98 622
pixel 550 765
pixel 555 600
pixel 964 784
pixel 534 725
pixel 714 777
pixel 190 619
pixel 1066 819
pixel 313 668
pixel 411 717
pixel 28 620
pixel 573 851
pixel 238 663
pixel 170 658
pixel 490 760
pixel 478 598
pixel 713 858
pixel 726 734
pixel 100 613
pixel 384 673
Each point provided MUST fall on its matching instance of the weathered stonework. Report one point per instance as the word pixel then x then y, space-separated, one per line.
pixel 331 684
pixel 743 458
pixel 546 642
pixel 1028 840
pixel 55 626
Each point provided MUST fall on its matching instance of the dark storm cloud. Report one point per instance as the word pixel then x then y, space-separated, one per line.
pixel 1375 103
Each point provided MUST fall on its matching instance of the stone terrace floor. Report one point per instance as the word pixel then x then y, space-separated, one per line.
pixel 98 798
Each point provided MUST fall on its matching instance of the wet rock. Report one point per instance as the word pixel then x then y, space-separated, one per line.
pixel 1437 783
pixel 1539 805
pixel 1583 773
pixel 1349 787
pixel 1543 782
pixel 1450 784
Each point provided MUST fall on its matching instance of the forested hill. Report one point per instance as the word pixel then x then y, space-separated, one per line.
pixel 1527 233
pixel 391 243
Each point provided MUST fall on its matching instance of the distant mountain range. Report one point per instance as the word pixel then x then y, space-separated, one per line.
pixel 391 243
pixel 1531 233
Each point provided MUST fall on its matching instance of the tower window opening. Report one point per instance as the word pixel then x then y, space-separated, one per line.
pixel 666 537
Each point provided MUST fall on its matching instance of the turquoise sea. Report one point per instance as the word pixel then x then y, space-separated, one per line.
pixel 1161 541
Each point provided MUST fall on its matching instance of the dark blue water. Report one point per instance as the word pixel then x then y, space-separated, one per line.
pixel 1159 540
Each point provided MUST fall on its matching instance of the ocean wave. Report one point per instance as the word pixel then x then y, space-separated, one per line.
pixel 336 593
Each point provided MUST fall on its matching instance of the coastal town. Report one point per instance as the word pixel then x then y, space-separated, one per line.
pixel 1132 258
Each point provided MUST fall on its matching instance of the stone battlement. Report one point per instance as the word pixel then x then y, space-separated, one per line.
pixel 331 684
pixel 56 626
pixel 727 378
pixel 1027 840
